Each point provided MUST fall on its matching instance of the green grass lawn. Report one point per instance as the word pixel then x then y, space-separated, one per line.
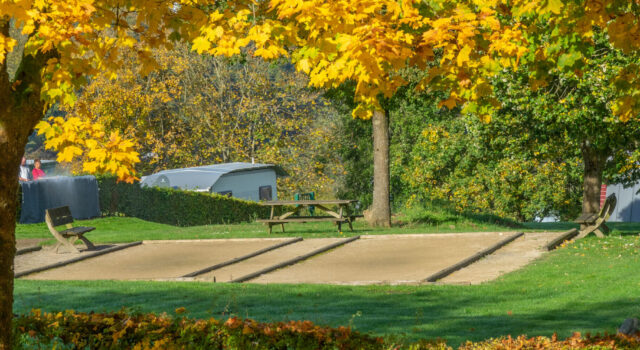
pixel 589 286
pixel 122 229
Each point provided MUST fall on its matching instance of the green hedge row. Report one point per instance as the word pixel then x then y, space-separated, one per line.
pixel 174 207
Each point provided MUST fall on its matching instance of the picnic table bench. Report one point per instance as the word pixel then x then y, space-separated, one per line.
pixel 595 222
pixel 62 216
pixel 342 215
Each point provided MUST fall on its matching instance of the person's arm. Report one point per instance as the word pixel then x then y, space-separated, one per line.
pixel 20 177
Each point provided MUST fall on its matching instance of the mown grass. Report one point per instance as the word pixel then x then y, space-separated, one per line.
pixel 588 286
pixel 123 229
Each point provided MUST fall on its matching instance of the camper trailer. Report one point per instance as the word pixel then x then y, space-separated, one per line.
pixel 249 181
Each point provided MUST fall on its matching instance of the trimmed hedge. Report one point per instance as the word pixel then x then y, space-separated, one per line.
pixel 174 207
pixel 122 330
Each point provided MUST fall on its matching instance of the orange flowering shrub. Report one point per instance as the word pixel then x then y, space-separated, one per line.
pixel 123 330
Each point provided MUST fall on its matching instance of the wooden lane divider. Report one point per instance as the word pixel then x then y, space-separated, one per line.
pixel 294 260
pixel 28 250
pixel 80 258
pixel 244 257
pixel 561 238
pixel 470 260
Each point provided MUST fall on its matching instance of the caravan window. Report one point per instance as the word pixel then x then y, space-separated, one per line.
pixel 265 193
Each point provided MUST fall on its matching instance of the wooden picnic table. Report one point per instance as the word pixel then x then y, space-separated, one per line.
pixel 340 216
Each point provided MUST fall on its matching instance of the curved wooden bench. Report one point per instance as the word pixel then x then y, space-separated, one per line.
pixel 62 216
pixel 595 222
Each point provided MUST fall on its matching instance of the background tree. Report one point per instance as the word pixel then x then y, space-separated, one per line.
pixel 577 112
pixel 368 42
pixel 195 110
pixel 365 41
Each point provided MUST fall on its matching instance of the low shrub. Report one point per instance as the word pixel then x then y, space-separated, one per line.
pixel 174 207
pixel 123 330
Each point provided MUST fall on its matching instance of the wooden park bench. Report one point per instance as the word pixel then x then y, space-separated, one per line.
pixel 596 222
pixel 62 216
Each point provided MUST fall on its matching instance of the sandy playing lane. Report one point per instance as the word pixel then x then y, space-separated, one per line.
pixel 265 260
pixel 385 259
pixel 509 258
pixel 157 260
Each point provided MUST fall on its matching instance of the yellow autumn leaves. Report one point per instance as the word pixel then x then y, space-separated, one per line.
pixel 100 153
pixel 460 45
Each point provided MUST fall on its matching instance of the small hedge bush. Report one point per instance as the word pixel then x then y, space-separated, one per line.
pixel 174 207
pixel 122 330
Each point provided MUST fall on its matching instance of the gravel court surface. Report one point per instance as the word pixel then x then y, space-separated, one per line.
pixel 268 259
pixel 393 259
pixel 48 256
pixel 511 257
pixel 156 260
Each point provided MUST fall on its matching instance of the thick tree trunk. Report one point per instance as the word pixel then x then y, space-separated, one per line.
pixel 593 168
pixel 380 214
pixel 9 164
pixel 20 109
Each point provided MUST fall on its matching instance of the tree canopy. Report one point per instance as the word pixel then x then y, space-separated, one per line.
pixel 460 44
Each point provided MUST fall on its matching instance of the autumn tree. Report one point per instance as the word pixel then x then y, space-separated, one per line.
pixel 65 42
pixel 194 110
pixel 364 41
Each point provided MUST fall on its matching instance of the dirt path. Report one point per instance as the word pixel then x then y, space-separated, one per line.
pixel 159 260
pixel 28 242
pixel 47 256
pixel 269 259
pixel 393 259
pixel 511 257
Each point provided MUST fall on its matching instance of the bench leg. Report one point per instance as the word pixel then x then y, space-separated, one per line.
pixel 69 245
pixel 350 225
pixel 270 228
pixel 87 242
pixel 598 233
pixel 586 231
pixel 282 227
pixel 339 226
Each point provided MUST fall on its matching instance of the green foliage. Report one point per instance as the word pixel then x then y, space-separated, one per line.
pixel 175 207
pixel 484 168
pixel 196 110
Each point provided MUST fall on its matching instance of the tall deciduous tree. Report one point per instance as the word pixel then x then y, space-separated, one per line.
pixel 196 110
pixel 64 42
pixel 369 42
pixel 365 41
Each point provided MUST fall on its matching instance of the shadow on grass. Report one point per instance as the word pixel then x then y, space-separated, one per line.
pixel 455 313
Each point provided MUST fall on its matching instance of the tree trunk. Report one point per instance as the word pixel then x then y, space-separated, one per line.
pixel 20 109
pixel 9 164
pixel 593 167
pixel 380 214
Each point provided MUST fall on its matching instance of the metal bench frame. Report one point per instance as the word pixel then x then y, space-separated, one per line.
pixel 62 216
